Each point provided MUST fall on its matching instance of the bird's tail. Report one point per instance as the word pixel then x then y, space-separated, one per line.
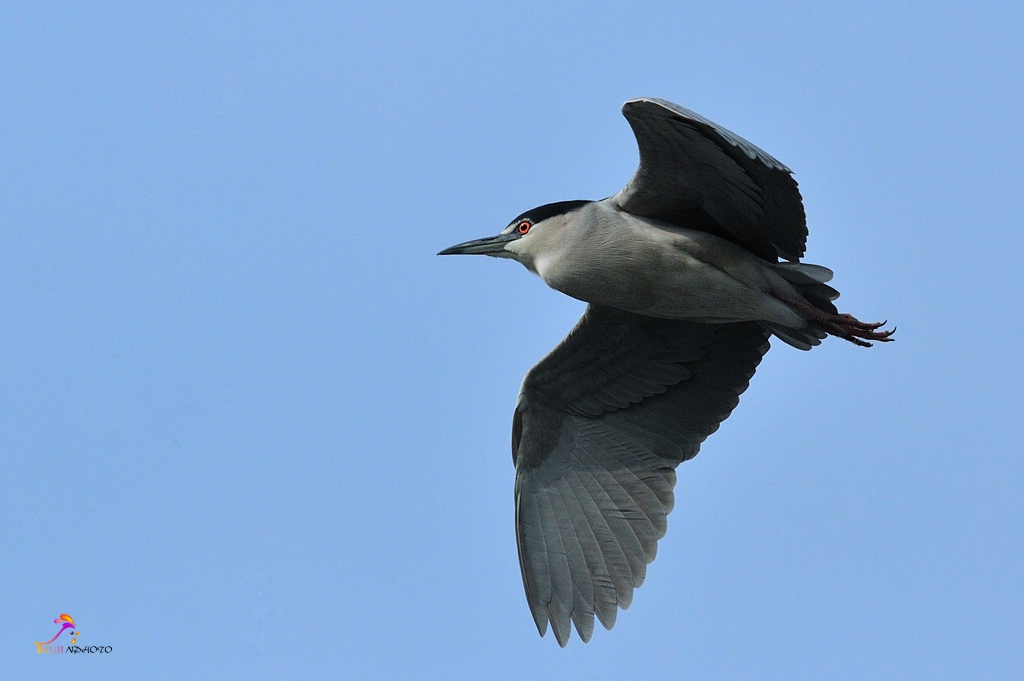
pixel 809 283
pixel 815 305
pixel 813 302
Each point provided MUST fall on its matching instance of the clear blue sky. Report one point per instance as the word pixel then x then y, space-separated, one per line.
pixel 252 428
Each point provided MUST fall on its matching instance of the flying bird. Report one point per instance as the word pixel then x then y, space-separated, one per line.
pixel 687 272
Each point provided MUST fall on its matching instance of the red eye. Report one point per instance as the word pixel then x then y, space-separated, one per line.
pixel 523 227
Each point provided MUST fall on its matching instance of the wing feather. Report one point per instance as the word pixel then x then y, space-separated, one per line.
pixel 603 600
pixel 533 557
pixel 582 580
pixel 561 605
pixel 619 575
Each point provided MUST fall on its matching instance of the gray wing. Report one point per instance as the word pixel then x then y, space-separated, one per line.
pixel 600 425
pixel 696 174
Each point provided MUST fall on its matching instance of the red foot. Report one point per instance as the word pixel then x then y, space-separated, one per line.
pixel 846 326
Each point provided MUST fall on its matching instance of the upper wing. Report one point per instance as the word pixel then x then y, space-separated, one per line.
pixel 697 174
pixel 599 428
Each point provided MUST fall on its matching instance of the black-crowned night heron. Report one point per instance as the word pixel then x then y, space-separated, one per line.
pixel 682 275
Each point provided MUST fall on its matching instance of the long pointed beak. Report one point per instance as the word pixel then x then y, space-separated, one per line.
pixel 491 245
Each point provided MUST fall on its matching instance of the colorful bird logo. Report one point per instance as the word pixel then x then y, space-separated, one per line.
pixel 68 623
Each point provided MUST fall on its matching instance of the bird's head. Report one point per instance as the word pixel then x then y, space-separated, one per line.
pixel 529 236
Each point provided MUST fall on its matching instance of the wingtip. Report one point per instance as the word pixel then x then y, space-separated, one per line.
pixel 636 101
pixel 561 634
pixel 540 619
pixel 584 623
